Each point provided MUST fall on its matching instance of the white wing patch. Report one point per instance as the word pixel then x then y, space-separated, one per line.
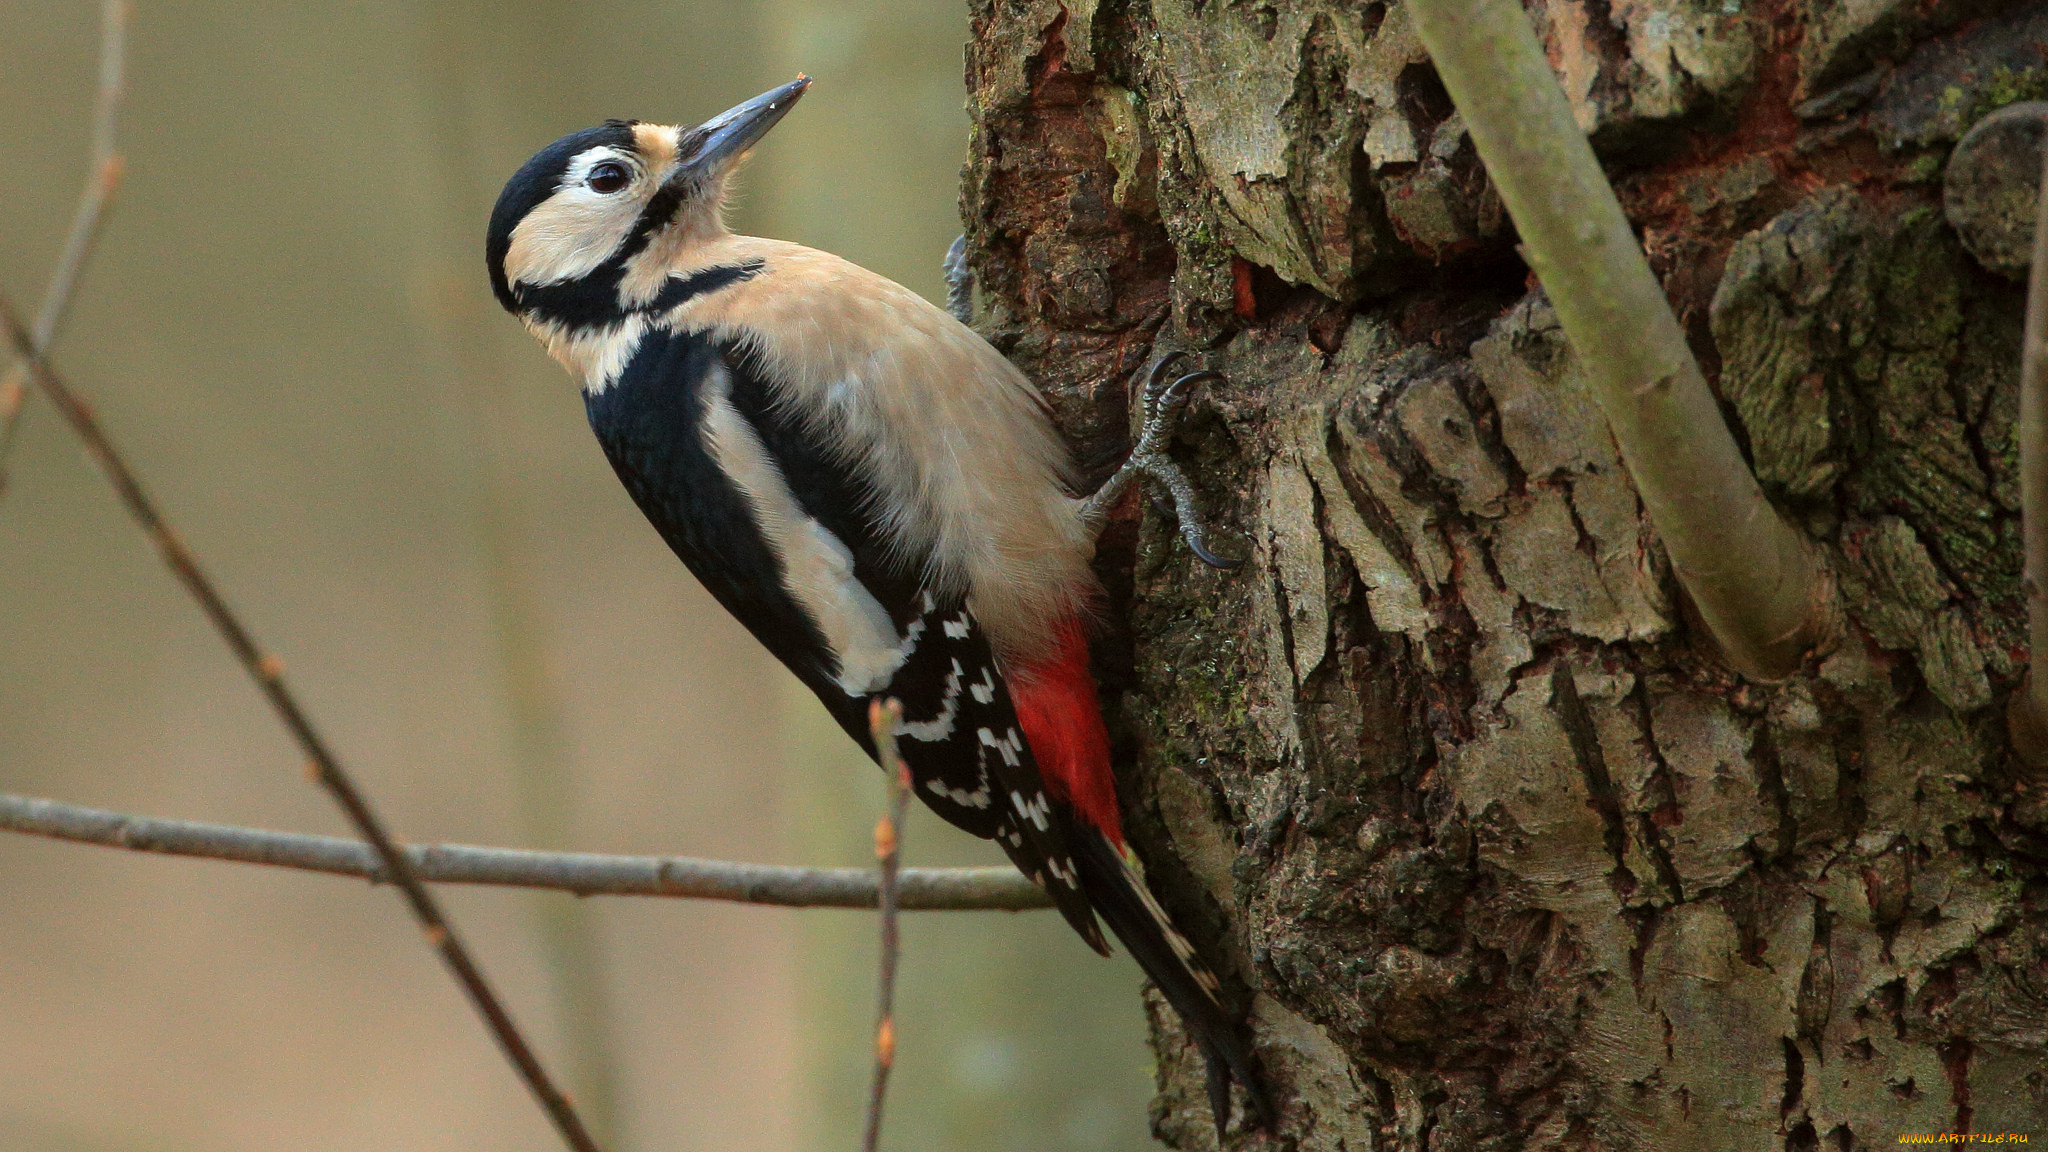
pixel 984 690
pixel 1011 746
pixel 967 469
pixel 1036 809
pixel 1063 868
pixel 978 798
pixel 1007 832
pixel 817 567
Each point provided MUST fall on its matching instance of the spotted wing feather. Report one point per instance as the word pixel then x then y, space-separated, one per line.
pixel 971 720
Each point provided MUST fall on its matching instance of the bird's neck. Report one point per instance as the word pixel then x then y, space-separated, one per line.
pixel 625 299
pixel 594 355
pixel 691 242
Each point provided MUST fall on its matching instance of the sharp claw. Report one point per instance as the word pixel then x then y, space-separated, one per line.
pixel 1193 536
pixel 1176 392
pixel 1156 371
pixel 1155 376
pixel 1162 403
pixel 1162 397
pixel 1187 511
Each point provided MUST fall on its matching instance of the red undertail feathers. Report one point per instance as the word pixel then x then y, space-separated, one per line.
pixel 1061 717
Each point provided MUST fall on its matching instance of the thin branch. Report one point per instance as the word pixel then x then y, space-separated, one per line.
pixel 2027 713
pixel 882 722
pixel 1760 589
pixel 103 176
pixel 582 873
pixel 268 672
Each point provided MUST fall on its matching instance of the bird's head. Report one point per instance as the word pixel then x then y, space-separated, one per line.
pixel 585 231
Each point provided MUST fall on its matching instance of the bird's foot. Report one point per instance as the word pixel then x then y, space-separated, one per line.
pixel 1163 402
pixel 959 282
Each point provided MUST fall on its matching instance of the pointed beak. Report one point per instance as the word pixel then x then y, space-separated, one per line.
pixel 712 147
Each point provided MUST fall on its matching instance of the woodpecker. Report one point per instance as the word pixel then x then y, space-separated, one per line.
pixel 868 486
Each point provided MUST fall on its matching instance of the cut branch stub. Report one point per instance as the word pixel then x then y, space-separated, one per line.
pixel 1759 587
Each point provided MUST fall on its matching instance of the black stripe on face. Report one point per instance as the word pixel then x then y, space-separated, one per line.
pixel 589 302
pixel 683 288
pixel 593 301
pixel 660 210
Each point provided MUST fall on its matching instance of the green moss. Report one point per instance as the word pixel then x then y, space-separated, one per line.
pixel 1966 106
pixel 2007 86
pixel 1923 169
pixel 1212 695
pixel 1921 279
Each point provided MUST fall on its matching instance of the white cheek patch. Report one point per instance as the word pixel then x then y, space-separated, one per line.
pixel 817 568
pixel 570 233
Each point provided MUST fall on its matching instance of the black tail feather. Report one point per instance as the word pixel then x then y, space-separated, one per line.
pixel 1120 899
pixel 1217 1075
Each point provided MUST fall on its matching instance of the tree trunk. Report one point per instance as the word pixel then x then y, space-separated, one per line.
pixel 1499 852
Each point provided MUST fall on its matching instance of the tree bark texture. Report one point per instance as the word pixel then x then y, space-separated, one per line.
pixel 1499 853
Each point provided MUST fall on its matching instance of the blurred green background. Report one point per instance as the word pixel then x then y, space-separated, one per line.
pixel 289 328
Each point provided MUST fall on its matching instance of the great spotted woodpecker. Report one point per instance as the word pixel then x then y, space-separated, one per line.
pixel 868 486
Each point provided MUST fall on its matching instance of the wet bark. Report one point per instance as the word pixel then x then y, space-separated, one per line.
pixel 1499 852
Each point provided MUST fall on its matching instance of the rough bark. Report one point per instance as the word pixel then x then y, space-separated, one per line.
pixel 1500 855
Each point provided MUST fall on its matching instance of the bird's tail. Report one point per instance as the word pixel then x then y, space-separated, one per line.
pixel 1116 887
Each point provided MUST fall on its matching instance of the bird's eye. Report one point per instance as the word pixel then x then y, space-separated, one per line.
pixel 607 177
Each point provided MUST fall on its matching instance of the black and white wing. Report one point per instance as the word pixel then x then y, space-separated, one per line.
pixel 785 537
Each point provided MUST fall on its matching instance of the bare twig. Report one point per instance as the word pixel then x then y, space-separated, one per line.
pixel 102 177
pixel 582 873
pixel 268 672
pixel 2027 712
pixel 1759 588
pixel 882 721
